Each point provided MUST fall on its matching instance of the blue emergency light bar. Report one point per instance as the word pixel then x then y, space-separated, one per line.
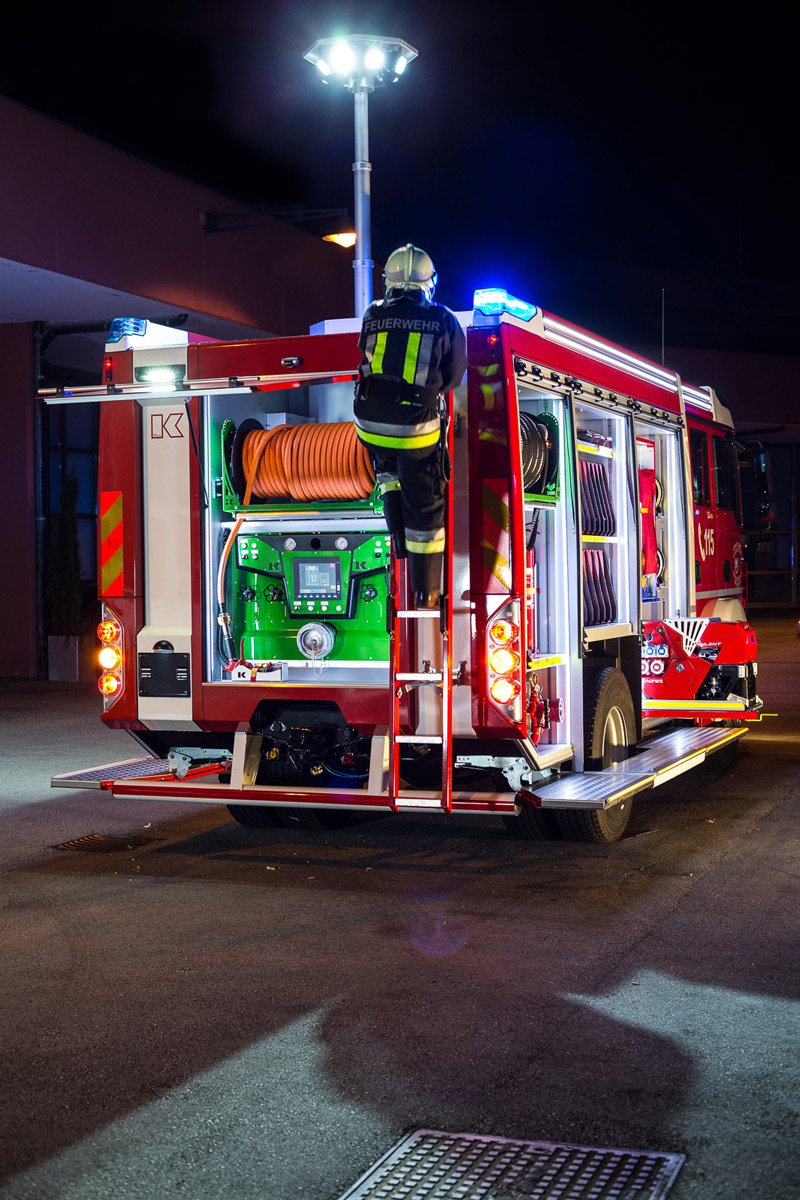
pixel 126 327
pixel 492 302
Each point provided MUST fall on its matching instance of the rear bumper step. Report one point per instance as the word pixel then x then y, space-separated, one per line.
pixel 129 769
pixel 103 777
pixel 658 762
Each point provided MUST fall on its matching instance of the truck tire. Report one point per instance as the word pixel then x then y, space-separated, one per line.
pixel 609 732
pixel 318 818
pixel 255 816
pixel 534 824
pixel 260 817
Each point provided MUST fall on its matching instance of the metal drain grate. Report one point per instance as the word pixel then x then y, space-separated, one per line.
pixel 431 1165
pixel 98 841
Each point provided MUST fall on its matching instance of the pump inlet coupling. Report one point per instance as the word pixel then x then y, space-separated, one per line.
pixel 315 640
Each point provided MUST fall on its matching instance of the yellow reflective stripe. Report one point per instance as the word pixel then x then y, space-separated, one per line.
pixel 380 350
pixel 425 547
pixel 494 562
pixel 412 350
pixel 111 518
pixel 496 508
pixel 399 443
pixel 111 571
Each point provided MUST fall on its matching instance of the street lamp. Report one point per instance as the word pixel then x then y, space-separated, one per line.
pixel 361 63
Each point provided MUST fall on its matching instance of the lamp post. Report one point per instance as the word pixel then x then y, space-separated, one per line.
pixel 361 63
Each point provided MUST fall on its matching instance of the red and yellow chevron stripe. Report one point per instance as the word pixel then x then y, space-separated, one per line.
pixel 111 557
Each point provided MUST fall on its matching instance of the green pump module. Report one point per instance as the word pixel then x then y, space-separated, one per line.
pixel 302 597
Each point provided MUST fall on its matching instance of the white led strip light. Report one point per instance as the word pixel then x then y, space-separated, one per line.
pixel 583 343
pixel 696 398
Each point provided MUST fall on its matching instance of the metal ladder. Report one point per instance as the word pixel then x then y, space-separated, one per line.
pixel 403 682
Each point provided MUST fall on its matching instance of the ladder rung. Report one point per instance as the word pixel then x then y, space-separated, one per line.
pixel 429 800
pixel 420 614
pixel 426 676
pixel 432 738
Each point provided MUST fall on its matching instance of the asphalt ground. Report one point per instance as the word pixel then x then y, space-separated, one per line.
pixel 231 1013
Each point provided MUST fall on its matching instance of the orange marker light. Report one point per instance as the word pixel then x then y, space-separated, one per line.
pixel 108 631
pixel 503 661
pixel 109 658
pixel 503 632
pixel 505 690
pixel 109 684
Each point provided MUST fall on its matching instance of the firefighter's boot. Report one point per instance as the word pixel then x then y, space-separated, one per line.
pixel 393 515
pixel 426 578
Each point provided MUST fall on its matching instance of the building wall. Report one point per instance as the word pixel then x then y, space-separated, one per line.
pixel 76 206
pixel 18 604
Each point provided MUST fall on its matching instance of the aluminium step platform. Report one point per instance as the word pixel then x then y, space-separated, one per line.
pixel 665 758
pixel 103 777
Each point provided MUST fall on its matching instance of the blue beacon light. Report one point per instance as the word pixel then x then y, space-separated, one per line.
pixel 492 302
pixel 126 327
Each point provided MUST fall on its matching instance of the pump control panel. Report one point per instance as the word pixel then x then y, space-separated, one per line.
pixel 319 572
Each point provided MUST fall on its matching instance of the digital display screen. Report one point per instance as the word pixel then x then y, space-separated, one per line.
pixel 317 579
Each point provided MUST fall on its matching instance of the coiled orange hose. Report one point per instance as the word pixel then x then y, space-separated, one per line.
pixel 307 462
pixel 301 462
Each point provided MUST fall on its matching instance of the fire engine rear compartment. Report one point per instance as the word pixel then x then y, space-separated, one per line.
pixel 341 698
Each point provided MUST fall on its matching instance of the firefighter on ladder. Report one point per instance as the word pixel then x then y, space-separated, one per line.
pixel 413 351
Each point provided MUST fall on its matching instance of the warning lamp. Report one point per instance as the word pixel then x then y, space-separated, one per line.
pixel 108 631
pixel 109 658
pixel 505 673
pixel 493 302
pixel 504 633
pixel 505 690
pixel 503 661
pixel 109 684
pixel 122 327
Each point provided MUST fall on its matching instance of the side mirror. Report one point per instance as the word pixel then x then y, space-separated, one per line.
pixel 762 473
pixel 762 481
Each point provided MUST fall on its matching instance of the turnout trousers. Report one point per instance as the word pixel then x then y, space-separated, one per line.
pixel 413 487
pixel 401 427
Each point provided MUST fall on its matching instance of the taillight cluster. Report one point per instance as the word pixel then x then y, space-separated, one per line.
pixel 504 661
pixel 109 631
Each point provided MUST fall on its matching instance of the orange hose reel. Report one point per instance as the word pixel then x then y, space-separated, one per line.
pixel 300 462
pixel 306 462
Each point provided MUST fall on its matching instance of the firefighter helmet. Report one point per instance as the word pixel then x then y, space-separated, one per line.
pixel 410 269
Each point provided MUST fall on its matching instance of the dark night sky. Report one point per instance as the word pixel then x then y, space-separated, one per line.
pixel 521 150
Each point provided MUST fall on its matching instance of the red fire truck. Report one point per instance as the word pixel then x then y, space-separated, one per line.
pixel 259 639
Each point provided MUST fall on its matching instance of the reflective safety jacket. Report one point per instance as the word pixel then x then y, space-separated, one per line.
pixel 412 351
